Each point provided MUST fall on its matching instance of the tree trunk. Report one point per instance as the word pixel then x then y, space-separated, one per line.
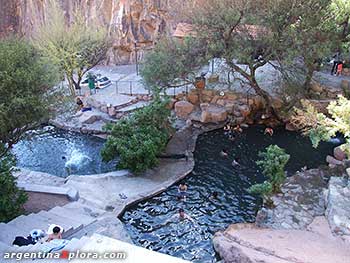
pixel 308 78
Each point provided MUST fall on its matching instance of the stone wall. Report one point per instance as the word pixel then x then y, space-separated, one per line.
pixel 212 106
pixel 128 21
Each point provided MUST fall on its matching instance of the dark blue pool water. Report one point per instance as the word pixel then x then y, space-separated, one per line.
pixel 150 223
pixel 42 150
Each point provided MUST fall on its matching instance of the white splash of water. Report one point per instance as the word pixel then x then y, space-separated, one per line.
pixel 77 160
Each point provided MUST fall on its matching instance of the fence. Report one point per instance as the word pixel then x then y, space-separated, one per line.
pixel 133 87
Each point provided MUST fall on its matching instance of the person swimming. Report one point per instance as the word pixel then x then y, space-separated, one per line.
pixel 224 153
pixel 214 195
pixel 182 191
pixel 235 162
pixel 238 129
pixel 268 131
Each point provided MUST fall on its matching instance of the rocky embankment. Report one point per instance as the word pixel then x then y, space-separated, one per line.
pixel 310 221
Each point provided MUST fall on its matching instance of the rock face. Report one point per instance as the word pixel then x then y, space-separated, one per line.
pixel 301 200
pixel 127 21
pixel 338 209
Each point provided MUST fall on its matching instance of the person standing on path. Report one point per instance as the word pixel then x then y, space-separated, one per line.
pixel 336 61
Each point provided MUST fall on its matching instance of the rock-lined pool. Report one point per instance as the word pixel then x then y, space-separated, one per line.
pixel 150 223
pixel 61 153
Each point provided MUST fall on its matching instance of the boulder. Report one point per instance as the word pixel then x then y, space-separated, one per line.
pixel 244 110
pixel 183 109
pixel 213 113
pixel 193 98
pixel 345 85
pixel 290 127
pixel 111 111
pixel 337 206
pixel 171 104
pixel 332 161
pixel 215 99
pixel 316 87
pixel 339 154
pixel 231 96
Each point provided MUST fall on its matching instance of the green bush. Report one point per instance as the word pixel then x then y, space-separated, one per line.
pixel 273 162
pixel 11 198
pixel 140 138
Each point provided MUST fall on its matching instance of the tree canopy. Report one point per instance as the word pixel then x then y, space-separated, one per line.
pixel 25 83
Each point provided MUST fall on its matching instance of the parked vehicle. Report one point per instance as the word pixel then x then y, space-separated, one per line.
pixel 100 82
pixel 103 82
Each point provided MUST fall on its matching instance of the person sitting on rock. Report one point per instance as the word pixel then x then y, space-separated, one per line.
pixel 224 153
pixel 55 232
pixel 269 131
pixel 182 191
pixel 227 127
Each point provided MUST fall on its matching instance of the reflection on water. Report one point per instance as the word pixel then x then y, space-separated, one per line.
pixel 150 222
pixel 61 153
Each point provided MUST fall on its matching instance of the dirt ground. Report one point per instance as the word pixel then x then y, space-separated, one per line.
pixel 41 201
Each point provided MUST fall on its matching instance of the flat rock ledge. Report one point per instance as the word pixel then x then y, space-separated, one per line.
pixel 300 201
pixel 247 243
pixel 310 223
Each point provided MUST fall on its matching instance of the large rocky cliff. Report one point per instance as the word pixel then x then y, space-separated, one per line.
pixel 128 21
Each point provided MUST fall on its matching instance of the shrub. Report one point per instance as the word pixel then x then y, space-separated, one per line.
pixel 140 138
pixel 273 162
pixel 11 198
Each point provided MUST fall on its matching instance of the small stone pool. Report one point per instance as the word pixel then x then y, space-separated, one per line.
pixel 150 224
pixel 61 153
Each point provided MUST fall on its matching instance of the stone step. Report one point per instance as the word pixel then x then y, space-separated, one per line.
pixel 37 221
pixel 77 244
pixel 77 207
pixel 70 226
pixel 132 107
pixel 73 215
pixel 8 233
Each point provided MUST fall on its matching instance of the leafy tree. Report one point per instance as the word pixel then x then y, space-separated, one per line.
pixel 273 162
pixel 246 34
pixel 310 37
pixel 172 63
pixel 139 138
pixel 25 88
pixel 321 127
pixel 341 11
pixel 11 198
pixel 75 48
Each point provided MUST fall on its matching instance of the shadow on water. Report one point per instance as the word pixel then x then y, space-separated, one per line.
pixel 150 222
pixel 61 153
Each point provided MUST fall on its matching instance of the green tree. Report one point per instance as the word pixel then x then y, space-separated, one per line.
pixel 341 11
pixel 140 138
pixel 172 63
pixel 26 82
pixel 76 47
pixel 11 198
pixel 273 162
pixel 322 127
pixel 310 37
pixel 25 88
